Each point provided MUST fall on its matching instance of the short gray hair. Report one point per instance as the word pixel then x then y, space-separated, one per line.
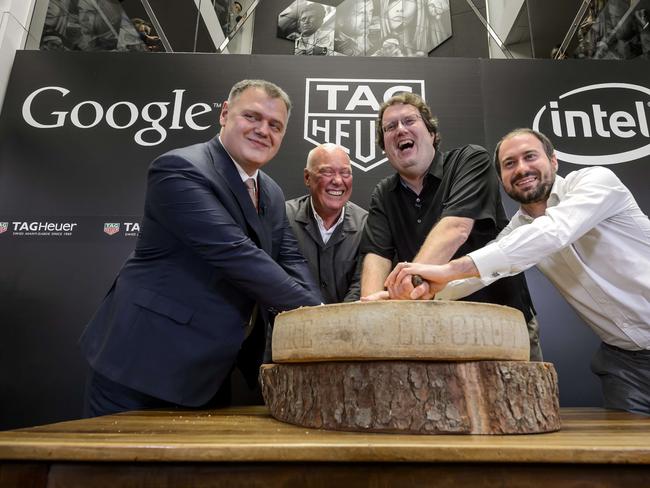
pixel 271 89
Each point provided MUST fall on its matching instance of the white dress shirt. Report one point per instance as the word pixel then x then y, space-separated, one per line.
pixel 242 174
pixel 325 234
pixel 593 244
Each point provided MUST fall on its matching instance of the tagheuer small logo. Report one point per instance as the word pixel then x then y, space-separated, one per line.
pixel 3 227
pixel 111 228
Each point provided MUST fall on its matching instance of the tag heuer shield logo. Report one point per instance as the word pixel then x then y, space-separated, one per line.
pixel 3 227
pixel 345 111
pixel 111 228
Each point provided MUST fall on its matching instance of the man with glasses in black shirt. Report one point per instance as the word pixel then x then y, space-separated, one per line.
pixel 437 207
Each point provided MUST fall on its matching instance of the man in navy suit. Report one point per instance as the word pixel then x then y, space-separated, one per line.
pixel 214 261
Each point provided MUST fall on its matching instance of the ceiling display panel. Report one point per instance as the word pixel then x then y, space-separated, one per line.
pixel 366 27
pixel 310 25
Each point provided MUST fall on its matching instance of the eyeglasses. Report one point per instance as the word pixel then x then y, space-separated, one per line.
pixel 406 122
pixel 330 173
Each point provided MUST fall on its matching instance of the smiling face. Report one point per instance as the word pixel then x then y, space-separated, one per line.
pixel 252 127
pixel 527 172
pixel 409 145
pixel 328 176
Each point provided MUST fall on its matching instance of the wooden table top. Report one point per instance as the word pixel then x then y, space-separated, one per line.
pixel 249 434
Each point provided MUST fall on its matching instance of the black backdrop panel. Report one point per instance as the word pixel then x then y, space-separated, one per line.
pixel 71 197
pixel 71 193
pixel 515 91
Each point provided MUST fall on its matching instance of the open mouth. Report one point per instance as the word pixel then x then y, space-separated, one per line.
pixel 404 145
pixel 335 193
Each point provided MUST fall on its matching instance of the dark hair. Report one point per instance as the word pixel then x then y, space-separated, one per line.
pixel 408 98
pixel 546 143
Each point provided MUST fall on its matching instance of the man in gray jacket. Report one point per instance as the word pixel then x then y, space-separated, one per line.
pixel 328 226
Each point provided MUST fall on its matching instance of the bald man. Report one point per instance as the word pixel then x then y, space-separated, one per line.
pixel 327 225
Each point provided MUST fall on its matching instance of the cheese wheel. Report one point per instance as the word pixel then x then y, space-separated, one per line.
pixel 433 330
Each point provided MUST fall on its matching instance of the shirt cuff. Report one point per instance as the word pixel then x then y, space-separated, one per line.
pixel 490 261
pixel 458 289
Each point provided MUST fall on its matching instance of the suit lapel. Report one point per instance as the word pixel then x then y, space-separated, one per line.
pixel 227 171
pixel 306 217
pixel 337 236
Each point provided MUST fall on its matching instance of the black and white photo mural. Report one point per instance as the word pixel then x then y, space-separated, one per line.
pixel 367 27
pixel 310 25
pixel 417 25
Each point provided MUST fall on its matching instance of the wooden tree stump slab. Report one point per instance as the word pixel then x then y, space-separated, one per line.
pixel 404 329
pixel 415 397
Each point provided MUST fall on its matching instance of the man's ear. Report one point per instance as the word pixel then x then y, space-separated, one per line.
pixel 224 113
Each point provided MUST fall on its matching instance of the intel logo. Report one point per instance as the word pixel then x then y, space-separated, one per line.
pixel 601 124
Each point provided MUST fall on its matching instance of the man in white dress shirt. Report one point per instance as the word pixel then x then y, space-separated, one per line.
pixel 587 234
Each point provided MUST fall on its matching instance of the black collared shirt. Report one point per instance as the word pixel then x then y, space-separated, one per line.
pixel 459 183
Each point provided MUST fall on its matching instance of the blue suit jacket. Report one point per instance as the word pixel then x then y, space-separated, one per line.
pixel 172 325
